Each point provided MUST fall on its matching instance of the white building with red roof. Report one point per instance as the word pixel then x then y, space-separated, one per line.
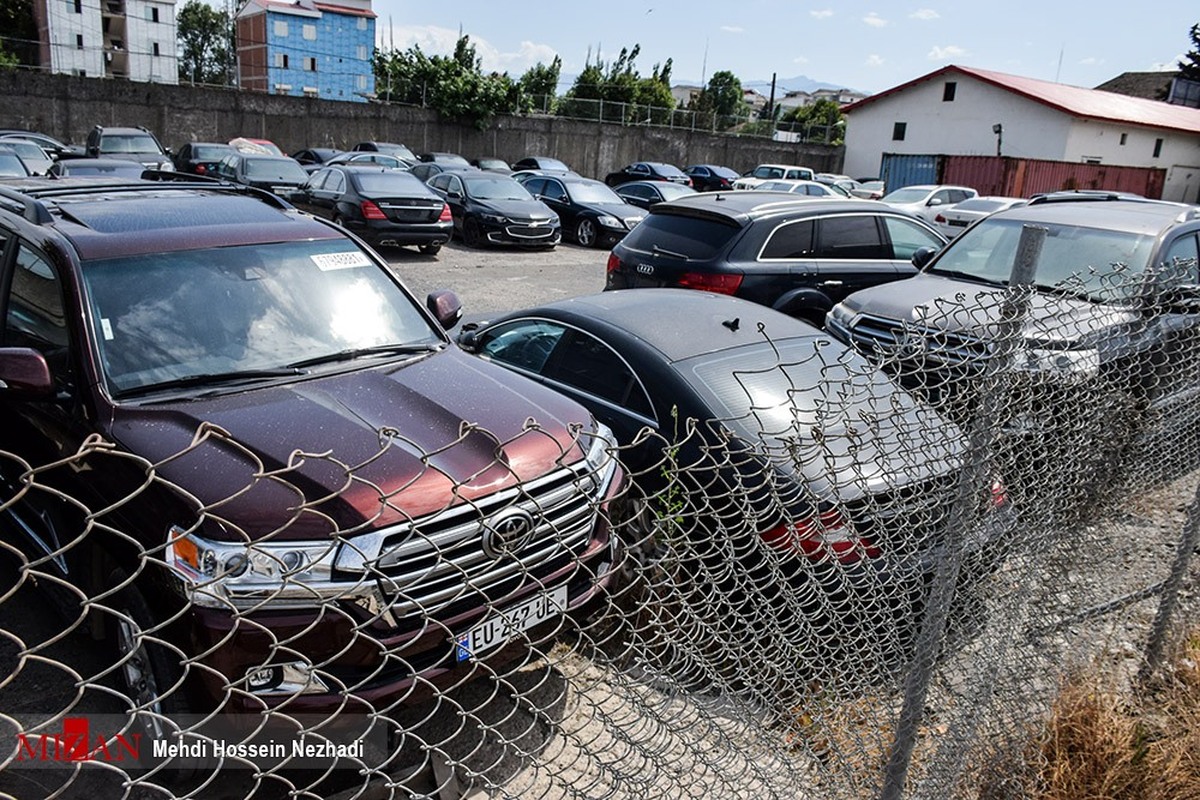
pixel 963 111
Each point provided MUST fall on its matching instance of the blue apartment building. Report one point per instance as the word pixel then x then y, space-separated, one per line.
pixel 307 49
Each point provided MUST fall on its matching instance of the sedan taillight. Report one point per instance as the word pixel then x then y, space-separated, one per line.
pixel 614 263
pixel 201 169
pixel 820 538
pixel 719 282
pixel 939 219
pixel 371 211
pixel 445 215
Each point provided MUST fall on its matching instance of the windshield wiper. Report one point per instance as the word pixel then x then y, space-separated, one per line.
pixel 1063 291
pixel 212 378
pixel 966 276
pixel 670 253
pixel 361 352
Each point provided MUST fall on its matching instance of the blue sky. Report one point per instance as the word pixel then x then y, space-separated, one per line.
pixel 865 46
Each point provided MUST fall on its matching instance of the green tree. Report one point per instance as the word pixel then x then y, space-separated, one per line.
pixel 539 86
pixel 1189 65
pixel 617 93
pixel 722 103
pixel 18 34
pixel 821 121
pixel 454 86
pixel 205 44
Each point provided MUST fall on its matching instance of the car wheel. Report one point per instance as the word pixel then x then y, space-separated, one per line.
pixel 472 233
pixel 149 674
pixel 430 249
pixel 585 233
pixel 338 219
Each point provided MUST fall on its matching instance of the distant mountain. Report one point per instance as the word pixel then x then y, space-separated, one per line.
pixel 800 83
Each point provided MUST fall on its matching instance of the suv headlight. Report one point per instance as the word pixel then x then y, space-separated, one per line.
pixel 609 221
pixel 495 219
pixel 841 314
pixel 272 574
pixel 1039 359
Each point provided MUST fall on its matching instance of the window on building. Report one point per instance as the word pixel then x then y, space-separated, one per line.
pixel 309 32
pixel 1124 138
pixel 152 13
pixel 898 131
pixel 281 27
pixel 948 91
pixel 362 52
pixel 78 4
pixel 362 82
pixel 310 64
pixel 362 23
pixel 1158 147
pixel 154 46
pixel 79 41
pixel 281 60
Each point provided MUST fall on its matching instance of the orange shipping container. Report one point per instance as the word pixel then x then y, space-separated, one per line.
pixel 1025 177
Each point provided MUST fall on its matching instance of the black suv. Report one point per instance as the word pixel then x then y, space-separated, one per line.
pixel 128 144
pixel 1113 318
pixel 280 445
pixel 799 256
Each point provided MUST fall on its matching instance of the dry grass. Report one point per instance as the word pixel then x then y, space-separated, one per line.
pixel 1102 746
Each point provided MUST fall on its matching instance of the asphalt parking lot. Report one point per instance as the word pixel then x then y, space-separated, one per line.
pixel 500 279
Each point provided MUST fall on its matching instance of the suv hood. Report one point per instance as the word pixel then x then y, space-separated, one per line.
pixel 964 307
pixel 366 448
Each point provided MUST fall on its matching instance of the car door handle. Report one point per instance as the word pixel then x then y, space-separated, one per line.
pixel 830 283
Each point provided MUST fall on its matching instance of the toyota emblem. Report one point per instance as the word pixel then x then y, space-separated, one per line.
pixel 508 532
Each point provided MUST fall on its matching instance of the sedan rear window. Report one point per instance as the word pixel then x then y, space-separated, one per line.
pixel 271 170
pixel 698 239
pixel 383 182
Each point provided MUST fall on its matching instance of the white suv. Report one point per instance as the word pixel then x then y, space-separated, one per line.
pixel 773 172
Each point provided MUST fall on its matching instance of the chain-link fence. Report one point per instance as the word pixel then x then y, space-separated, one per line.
pixel 834 587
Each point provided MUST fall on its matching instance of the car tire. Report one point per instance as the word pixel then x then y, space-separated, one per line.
pixel 586 234
pixel 472 233
pixel 338 219
pixel 147 669
pixel 430 249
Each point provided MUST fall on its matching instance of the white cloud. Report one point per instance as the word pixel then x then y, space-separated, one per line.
pixel 924 13
pixel 799 60
pixel 1091 61
pixel 436 41
pixel 732 29
pixel 824 13
pixel 874 60
pixel 874 20
pixel 942 53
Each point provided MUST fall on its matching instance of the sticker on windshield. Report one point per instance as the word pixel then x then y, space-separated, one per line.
pixel 331 261
pixel 106 327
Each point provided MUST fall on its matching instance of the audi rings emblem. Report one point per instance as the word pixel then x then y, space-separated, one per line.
pixel 508 532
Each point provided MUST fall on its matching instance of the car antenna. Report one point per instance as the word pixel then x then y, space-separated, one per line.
pixel 732 324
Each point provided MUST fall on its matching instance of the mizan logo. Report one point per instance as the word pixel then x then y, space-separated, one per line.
pixel 76 743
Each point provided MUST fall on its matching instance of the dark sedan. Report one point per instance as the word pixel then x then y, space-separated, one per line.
pixel 378 159
pixel 544 163
pixel 494 209
pixel 315 155
pixel 385 207
pixel 711 177
pixel 425 170
pixel 490 164
pixel 648 171
pixel 762 439
pixel 644 194
pixel 279 175
pixel 391 148
pixel 593 213
pixel 200 158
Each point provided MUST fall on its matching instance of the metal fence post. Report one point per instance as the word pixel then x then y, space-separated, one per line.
pixel 974 474
pixel 1170 593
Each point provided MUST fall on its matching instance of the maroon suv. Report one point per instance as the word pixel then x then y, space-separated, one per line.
pixel 276 473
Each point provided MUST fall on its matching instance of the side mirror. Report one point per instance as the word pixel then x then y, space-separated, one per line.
pixel 937 201
pixel 468 338
pixel 25 373
pixel 923 256
pixel 445 307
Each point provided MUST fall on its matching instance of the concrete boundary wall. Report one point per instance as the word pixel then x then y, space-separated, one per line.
pixel 67 107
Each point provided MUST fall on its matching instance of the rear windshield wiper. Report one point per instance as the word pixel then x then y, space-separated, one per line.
pixel 670 253
pixel 361 352
pixel 210 379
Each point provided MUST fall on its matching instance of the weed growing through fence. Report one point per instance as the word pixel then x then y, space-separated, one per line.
pixel 1103 744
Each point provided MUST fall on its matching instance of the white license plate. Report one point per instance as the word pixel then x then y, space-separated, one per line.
pixel 504 625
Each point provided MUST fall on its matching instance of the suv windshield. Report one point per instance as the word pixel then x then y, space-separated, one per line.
pixel 1093 263
pixel 129 143
pixel 168 316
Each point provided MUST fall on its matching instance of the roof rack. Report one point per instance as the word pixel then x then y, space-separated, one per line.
pixel 29 203
pixel 32 209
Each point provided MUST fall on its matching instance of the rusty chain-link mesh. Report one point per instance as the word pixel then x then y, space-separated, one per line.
pixel 843 590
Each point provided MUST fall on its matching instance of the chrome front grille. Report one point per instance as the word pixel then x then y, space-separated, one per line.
pixel 438 561
pixel 892 338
